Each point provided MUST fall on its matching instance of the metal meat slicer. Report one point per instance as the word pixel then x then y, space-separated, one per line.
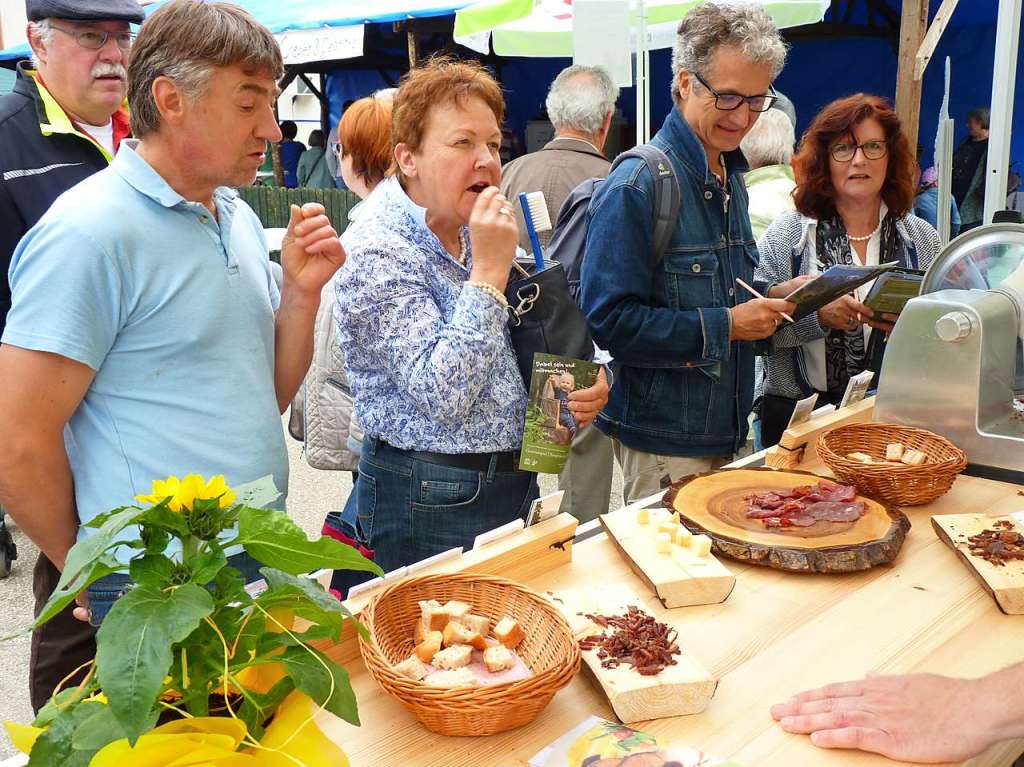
pixel 953 364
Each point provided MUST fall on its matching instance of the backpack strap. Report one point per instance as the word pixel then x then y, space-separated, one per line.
pixel 667 197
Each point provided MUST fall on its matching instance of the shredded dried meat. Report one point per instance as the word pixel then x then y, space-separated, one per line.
pixel 804 505
pixel 635 638
pixel 999 544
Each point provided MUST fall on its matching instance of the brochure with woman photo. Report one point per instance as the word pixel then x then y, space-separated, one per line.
pixel 550 425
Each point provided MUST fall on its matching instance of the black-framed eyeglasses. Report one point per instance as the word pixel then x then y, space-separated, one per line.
pixel 845 151
pixel 727 102
pixel 94 39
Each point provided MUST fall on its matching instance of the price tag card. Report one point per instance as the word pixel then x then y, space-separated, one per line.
pixel 803 410
pixel 857 388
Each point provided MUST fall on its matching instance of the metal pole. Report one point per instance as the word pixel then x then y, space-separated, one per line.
pixel 944 164
pixel 1003 77
pixel 643 131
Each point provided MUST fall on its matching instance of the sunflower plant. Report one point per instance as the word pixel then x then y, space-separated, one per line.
pixel 188 642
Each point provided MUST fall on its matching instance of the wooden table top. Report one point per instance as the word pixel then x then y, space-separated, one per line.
pixel 777 634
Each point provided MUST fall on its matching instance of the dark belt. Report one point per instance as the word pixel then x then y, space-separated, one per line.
pixel 508 461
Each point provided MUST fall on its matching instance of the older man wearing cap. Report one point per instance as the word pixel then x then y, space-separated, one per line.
pixel 64 119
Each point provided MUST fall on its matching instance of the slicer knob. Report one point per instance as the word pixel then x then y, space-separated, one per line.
pixel 953 327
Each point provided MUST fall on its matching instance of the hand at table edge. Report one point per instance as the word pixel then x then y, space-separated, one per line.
pixel 925 718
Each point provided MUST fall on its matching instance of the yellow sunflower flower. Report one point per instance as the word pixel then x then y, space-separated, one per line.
pixel 184 492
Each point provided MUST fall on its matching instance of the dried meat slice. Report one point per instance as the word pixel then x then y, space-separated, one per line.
pixel 835 511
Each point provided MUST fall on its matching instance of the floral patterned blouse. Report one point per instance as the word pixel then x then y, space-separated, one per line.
pixel 428 358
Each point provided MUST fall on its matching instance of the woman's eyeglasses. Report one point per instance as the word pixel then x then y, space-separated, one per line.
pixel 727 102
pixel 844 151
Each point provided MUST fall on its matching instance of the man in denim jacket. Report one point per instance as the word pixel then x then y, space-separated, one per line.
pixel 681 329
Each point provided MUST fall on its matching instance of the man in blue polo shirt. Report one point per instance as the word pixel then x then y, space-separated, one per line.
pixel 147 336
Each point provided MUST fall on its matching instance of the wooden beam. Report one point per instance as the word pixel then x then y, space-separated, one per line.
pixel 924 53
pixel 913 27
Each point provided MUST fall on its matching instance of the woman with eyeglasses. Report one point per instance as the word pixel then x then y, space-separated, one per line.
pixel 856 174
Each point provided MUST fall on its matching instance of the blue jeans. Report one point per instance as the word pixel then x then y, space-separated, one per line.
pixel 104 592
pixel 409 509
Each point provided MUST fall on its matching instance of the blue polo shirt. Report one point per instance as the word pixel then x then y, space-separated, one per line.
pixel 173 309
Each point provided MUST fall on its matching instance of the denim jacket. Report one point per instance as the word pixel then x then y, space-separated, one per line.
pixel 682 388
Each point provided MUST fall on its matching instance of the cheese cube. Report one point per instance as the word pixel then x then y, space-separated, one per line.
pixel 663 543
pixel 455 656
pixel 700 545
pixel 893 451
pixel 643 516
pixel 683 536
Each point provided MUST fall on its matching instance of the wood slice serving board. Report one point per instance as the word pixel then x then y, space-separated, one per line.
pixel 678 690
pixel 713 504
pixel 679 579
pixel 1006 582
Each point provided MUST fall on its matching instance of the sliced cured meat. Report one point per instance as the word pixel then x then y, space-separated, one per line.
pixel 835 511
pixel 804 505
pixel 757 512
pixel 843 494
pixel 799 520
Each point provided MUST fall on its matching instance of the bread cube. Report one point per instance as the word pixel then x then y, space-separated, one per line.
pixel 412 667
pixel 433 615
pixel 460 677
pixel 456 609
pixel 498 658
pixel 509 632
pixel 913 457
pixel 477 623
pixel 455 656
pixel 455 634
pixel 428 648
pixel 861 457
pixel 894 451
pixel 419 633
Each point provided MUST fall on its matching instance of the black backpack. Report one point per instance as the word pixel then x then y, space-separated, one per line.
pixel 568 242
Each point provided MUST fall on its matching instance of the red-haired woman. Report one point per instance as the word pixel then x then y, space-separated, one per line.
pixel 854 196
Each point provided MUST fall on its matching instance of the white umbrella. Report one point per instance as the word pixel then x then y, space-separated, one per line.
pixel 544 28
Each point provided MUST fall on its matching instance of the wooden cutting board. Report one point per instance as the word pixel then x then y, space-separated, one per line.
pixel 678 690
pixel 1005 583
pixel 713 504
pixel 679 579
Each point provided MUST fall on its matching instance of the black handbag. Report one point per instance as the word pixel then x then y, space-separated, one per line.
pixel 543 317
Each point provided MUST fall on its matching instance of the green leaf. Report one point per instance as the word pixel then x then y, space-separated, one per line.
pixel 229 586
pixel 54 747
pixel 315 592
pixel 258 707
pixel 62 596
pixel 154 539
pixel 59 703
pixel 134 647
pixel 99 729
pixel 206 566
pixel 152 570
pixel 313 673
pixel 259 493
pixel 101 519
pixel 273 539
pixel 85 562
pixel 161 516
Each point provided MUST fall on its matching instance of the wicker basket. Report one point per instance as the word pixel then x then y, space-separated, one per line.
pixel 549 650
pixel 900 485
